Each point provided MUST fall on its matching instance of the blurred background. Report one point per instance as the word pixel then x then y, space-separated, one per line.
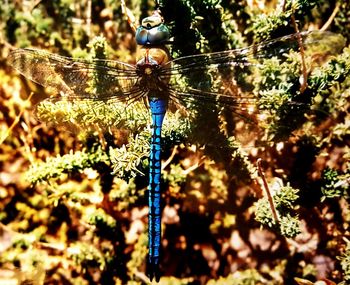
pixel 73 205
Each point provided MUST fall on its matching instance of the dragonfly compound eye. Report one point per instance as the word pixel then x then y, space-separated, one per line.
pixel 152 31
pixel 154 36
pixel 159 34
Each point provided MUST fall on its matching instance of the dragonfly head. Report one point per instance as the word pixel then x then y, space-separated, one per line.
pixel 152 31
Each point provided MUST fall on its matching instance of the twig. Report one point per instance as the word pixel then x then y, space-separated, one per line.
pixel 268 193
pixel 35 4
pixel 88 18
pixel 157 4
pixel 331 18
pixel 15 122
pixel 141 276
pixel 283 5
pixel 129 15
pixel 342 183
pixel 195 166
pixel 188 170
pixel 7 44
pixel 167 162
pixel 302 53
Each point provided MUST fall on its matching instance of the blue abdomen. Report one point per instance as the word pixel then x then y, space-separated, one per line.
pixel 158 109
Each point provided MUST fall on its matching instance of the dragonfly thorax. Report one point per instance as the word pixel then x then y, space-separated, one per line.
pixel 150 77
pixel 149 68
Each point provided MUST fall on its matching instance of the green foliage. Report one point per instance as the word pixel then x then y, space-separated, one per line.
pixel 127 158
pixel 209 26
pixel 266 25
pixel 86 256
pixel 98 48
pixel 341 19
pixel 125 193
pixel 176 176
pixel 335 70
pixel 246 277
pixel 336 185
pixel 103 222
pixel 138 255
pixel 78 116
pixel 345 263
pixel 80 210
pixel 284 200
pixel 69 163
pixel 289 226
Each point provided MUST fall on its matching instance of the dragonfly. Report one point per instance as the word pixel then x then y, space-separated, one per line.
pixel 211 80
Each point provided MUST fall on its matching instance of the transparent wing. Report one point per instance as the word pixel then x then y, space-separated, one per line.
pixel 245 81
pixel 223 77
pixel 78 78
pixel 243 57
